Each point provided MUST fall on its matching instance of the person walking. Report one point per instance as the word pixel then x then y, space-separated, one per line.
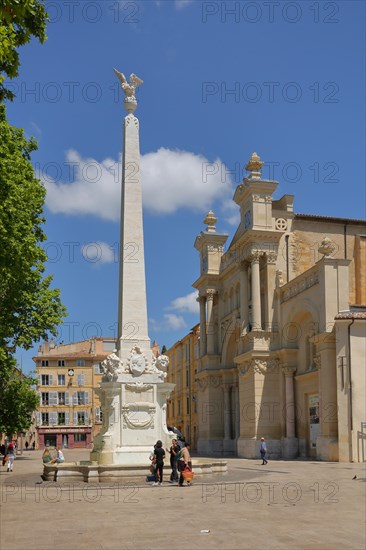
pixel 173 451
pixel 184 461
pixel 263 451
pixel 159 455
pixel 11 456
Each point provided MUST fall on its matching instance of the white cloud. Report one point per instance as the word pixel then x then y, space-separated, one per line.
pixel 185 303
pixel 170 180
pixel 94 189
pixel 170 321
pixel 231 212
pixel 173 321
pixel 176 179
pixel 98 253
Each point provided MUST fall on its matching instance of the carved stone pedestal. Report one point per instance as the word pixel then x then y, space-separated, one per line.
pixel 133 398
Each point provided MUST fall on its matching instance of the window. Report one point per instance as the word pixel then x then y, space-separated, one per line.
pixel 61 363
pixel 61 418
pixel 61 379
pixel 178 406
pixel 194 398
pixel 82 397
pixel 79 437
pixel 81 379
pixel 187 351
pixel 172 361
pixel 61 398
pixel 44 363
pixel 187 405
pixel 196 350
pixel 97 368
pixel 80 363
pixel 187 377
pixel 45 399
pixel 173 408
pixel 98 414
pixel 81 418
pixel 45 380
pixel 45 419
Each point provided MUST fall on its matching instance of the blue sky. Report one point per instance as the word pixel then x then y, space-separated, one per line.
pixel 221 80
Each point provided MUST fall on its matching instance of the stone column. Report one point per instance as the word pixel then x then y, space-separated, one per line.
pixel 203 344
pixel 290 443
pixel 290 400
pixel 210 323
pixel 256 293
pixel 327 441
pixel 244 311
pixel 227 411
pixel 237 410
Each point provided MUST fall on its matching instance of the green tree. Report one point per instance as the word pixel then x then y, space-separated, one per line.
pixel 18 400
pixel 163 350
pixel 29 308
pixel 19 21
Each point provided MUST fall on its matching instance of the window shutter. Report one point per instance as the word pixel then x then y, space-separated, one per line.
pixel 82 379
pixel 40 397
pixel 96 368
pixel 51 379
pixel 53 418
pixel 97 414
pixel 67 400
pixel 75 418
pixel 40 380
pixel 86 398
pixel 39 419
pixel 75 398
pixel 87 418
pixel 67 418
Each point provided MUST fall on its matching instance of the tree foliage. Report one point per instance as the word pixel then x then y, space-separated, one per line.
pixel 17 401
pixel 19 21
pixel 29 308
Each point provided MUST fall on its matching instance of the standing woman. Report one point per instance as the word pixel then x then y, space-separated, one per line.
pixel 159 455
pixel 11 456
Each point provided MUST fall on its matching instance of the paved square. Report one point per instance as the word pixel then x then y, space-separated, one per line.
pixel 287 504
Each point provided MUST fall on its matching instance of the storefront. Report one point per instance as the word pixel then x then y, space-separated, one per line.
pixel 68 438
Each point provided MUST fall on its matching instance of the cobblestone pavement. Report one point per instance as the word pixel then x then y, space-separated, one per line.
pixel 286 504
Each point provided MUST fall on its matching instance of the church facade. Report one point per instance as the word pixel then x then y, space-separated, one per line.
pixel 282 325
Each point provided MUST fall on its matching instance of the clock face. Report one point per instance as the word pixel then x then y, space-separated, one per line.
pixel 247 219
pixel 71 372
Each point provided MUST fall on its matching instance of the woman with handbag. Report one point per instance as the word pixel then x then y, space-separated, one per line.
pixel 184 464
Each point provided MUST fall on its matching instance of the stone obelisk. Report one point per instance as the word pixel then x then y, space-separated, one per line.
pixel 132 393
pixel 132 310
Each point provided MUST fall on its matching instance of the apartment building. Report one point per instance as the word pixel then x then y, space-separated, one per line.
pixel 182 370
pixel 69 411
